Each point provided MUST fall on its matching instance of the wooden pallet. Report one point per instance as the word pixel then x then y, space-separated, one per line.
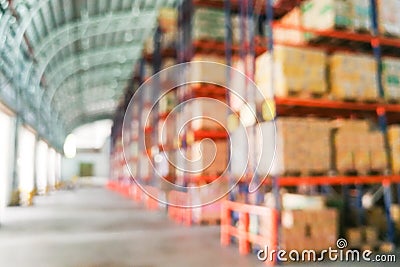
pixel 210 221
pixel 308 173
pixel 307 94
pixel 393 101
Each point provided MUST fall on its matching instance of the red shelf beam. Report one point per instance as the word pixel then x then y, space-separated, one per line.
pixel 330 104
pixel 207 178
pixel 323 108
pixel 347 35
pixel 202 134
pixel 336 180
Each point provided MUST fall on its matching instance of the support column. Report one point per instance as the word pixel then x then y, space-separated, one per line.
pixel 15 175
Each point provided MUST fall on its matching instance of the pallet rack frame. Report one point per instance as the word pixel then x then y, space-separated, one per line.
pixel 386 113
pixel 381 110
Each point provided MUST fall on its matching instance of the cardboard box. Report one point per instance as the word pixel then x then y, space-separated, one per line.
pixel 304 230
pixel 207 157
pixel 394 141
pixel 288 77
pixel 391 78
pixel 349 81
pixel 206 114
pixel 370 235
pixel 358 148
pixel 361 14
pixel 388 19
pixel 354 236
pixel 289 154
pixel 292 36
pixel 296 202
pixel 208 72
pixel 395 212
pixel 326 14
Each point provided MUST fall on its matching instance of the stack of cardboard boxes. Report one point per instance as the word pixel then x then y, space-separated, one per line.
pixel 205 114
pixel 302 229
pixel 395 212
pixel 346 80
pixel 305 219
pixel 324 15
pixel 209 24
pixel 391 78
pixel 331 14
pixel 362 237
pixel 207 158
pixel 212 71
pixel 293 138
pixel 394 141
pixel 288 77
pixel 359 149
pixel 389 21
pixel 349 81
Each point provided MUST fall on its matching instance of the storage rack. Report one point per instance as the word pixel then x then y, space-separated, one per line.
pixel 135 149
pixel 385 113
pixel 186 48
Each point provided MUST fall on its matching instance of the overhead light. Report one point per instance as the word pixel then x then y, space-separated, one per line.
pixel 128 37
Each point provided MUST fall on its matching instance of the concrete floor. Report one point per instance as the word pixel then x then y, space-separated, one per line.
pixel 92 227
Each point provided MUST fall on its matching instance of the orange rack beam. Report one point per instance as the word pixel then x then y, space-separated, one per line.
pixel 323 107
pixel 218 47
pixel 148 129
pixel 333 180
pixel 211 134
pixel 164 115
pixel 348 35
pixel 206 178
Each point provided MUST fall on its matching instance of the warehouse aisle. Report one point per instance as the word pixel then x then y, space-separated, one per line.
pixel 94 227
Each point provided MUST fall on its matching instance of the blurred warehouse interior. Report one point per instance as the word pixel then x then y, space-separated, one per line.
pixel 254 123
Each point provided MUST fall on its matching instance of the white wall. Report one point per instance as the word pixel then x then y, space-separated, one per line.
pixel 26 160
pixel 41 165
pixel 7 124
pixel 100 161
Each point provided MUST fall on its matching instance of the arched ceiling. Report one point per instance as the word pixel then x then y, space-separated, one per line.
pixel 71 59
